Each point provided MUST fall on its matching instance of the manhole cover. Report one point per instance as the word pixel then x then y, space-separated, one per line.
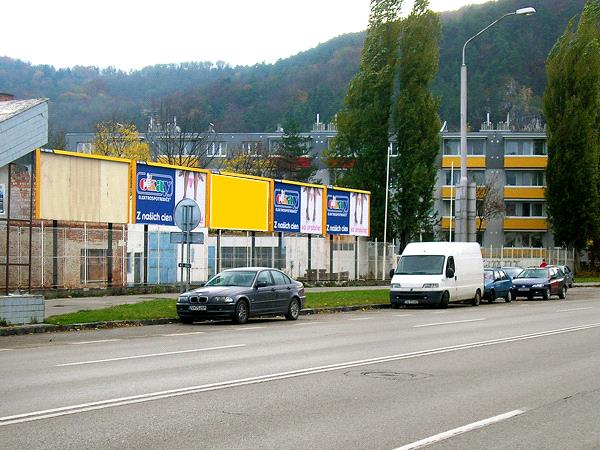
pixel 388 375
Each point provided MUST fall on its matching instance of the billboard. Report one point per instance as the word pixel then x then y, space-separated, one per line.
pixel 240 202
pixel 338 211
pixel 348 212
pixel 297 208
pixel 158 188
pixel 359 213
pixel 82 188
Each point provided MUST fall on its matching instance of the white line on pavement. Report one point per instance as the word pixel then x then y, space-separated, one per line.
pixel 306 323
pixel 93 342
pixel 102 404
pixel 402 315
pixel 184 334
pixel 150 355
pixel 5 349
pixel 446 323
pixel 573 309
pixel 440 312
pixel 248 328
pixel 460 430
pixel 362 318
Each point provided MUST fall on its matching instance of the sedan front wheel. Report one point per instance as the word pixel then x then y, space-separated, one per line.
pixel 563 293
pixel 241 312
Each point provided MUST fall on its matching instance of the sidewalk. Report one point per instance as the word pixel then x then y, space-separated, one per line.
pixel 58 306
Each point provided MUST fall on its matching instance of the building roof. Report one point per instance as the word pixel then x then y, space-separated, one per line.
pixel 23 128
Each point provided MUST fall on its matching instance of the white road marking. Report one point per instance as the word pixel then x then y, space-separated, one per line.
pixel 306 323
pixel 102 404
pixel 150 355
pixel 573 309
pixel 440 312
pixel 184 334
pixel 460 430
pixel 362 318
pixel 402 315
pixel 446 323
pixel 5 349
pixel 93 342
pixel 248 328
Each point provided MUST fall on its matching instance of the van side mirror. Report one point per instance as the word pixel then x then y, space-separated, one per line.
pixel 449 272
pixel 392 272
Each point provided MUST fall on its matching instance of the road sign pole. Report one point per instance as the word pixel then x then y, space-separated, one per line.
pixel 189 259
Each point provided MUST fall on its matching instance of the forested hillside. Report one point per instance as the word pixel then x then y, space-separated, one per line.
pixel 506 73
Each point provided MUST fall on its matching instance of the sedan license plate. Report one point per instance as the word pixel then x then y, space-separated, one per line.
pixel 198 308
pixel 411 302
pixel 523 289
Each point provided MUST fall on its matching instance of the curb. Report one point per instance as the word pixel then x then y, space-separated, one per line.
pixel 49 328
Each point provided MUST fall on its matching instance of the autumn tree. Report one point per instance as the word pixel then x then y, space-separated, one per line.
pixel 363 124
pixel 572 112
pixel 257 162
pixel 490 200
pixel 293 159
pixel 180 139
pixel 416 126
pixel 121 140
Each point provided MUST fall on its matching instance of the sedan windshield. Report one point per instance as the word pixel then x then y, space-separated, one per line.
pixel 534 273
pixel 421 265
pixel 232 278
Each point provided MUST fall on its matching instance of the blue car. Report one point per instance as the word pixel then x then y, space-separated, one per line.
pixel 497 284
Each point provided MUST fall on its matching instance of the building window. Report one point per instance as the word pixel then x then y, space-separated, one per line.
pixel 474 147
pixel 477 176
pixel 530 147
pixel 93 265
pixel 84 147
pixel 217 149
pixel 2 187
pixel 252 148
pixel 525 178
pixel 523 239
pixel 525 209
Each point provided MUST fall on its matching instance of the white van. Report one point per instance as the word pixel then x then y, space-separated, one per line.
pixel 437 273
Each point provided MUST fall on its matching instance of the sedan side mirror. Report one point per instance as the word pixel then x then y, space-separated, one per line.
pixel 449 272
pixel 261 284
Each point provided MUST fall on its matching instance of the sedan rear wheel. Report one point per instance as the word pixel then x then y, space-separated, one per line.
pixel 293 310
pixel 563 293
pixel 241 312
pixel 492 298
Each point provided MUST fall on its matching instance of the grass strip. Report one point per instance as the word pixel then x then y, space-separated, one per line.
pixel 165 308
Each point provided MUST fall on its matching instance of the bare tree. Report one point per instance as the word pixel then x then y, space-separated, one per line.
pixel 181 139
pixel 490 200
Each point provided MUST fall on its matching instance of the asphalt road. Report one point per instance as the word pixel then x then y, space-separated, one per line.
pixel 522 375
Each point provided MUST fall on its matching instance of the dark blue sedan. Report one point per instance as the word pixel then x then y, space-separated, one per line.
pixel 497 284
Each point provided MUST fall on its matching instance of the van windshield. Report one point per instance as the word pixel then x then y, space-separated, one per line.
pixel 421 265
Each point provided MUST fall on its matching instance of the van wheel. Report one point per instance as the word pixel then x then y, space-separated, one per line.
pixel 477 299
pixel 445 300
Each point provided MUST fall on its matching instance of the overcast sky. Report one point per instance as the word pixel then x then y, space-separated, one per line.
pixel 131 34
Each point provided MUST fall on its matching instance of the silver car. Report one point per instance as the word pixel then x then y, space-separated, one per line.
pixel 240 293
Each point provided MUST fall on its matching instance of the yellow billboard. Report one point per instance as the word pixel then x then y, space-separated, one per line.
pixel 240 202
pixel 82 188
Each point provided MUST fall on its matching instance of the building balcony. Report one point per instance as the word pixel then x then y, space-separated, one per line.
pixel 526 224
pixel 524 192
pixel 445 223
pixel 473 162
pixel 525 162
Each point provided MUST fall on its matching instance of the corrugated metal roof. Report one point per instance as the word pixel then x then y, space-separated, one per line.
pixel 13 107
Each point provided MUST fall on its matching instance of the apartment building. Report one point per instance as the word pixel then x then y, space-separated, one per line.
pixel 507 166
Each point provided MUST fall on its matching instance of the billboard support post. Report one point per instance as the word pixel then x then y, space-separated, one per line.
pixel 308 269
pixel 146 255
pixel 331 256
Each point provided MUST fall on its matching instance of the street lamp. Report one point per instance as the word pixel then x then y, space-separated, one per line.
pixel 387 189
pixel 465 196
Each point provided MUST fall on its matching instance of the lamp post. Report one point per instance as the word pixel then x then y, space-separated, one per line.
pixel 465 196
pixel 387 189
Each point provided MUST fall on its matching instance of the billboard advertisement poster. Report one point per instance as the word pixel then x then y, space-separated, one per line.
pixel 155 195
pixel 338 211
pixel 359 213
pixel 311 216
pixel 192 184
pixel 286 212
